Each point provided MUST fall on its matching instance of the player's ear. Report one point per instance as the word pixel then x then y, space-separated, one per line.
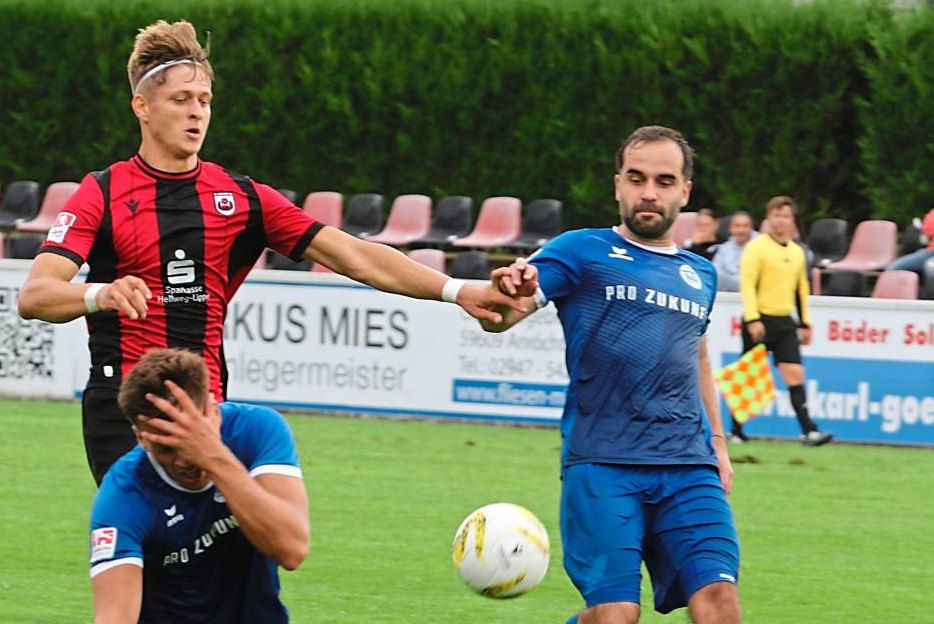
pixel 140 107
pixel 139 438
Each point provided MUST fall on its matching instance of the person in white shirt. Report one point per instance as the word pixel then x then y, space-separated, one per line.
pixel 726 255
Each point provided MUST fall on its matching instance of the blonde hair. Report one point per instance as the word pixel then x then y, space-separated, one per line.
pixel 162 43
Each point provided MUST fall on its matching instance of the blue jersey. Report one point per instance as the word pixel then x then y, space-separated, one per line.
pixel 633 317
pixel 197 564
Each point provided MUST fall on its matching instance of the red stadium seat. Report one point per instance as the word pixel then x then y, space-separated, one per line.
pixel 433 258
pixel 409 219
pixel 498 223
pixel 55 197
pixel 326 207
pixel 897 285
pixel 874 245
pixel 683 228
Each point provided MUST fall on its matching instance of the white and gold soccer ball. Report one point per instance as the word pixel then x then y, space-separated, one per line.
pixel 501 550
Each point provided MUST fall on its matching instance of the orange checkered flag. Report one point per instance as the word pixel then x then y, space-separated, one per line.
pixel 747 384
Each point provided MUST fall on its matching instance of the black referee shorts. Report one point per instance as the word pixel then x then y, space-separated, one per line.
pixel 781 338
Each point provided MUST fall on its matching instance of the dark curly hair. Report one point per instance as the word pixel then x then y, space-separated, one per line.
pixel 185 368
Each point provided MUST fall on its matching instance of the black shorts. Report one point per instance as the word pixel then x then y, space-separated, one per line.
pixel 781 338
pixel 107 434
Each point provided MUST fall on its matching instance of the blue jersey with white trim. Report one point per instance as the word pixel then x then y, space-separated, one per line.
pixel 633 317
pixel 197 564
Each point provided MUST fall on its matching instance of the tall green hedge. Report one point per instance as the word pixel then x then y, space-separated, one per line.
pixel 520 97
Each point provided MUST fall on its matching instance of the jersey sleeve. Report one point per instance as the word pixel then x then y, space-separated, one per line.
pixel 119 524
pixel 261 438
pixel 288 228
pixel 75 229
pixel 802 300
pixel 558 272
pixel 749 269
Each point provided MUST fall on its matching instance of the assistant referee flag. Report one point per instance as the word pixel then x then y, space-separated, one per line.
pixel 747 384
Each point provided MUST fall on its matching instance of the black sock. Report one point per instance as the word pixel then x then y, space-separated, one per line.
pixel 799 402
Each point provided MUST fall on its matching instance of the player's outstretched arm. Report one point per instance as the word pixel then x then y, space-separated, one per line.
pixel 48 293
pixel 118 595
pixel 390 270
pixel 271 510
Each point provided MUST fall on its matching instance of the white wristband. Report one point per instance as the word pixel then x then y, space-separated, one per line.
pixel 450 290
pixel 90 296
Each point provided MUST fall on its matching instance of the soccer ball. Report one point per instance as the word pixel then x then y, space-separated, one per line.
pixel 501 550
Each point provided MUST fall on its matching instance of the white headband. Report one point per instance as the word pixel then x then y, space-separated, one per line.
pixel 158 68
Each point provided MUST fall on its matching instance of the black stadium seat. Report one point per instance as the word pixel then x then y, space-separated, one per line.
pixel 828 240
pixel 20 203
pixel 540 223
pixel 363 215
pixel 927 280
pixel 452 218
pixel 845 284
pixel 473 264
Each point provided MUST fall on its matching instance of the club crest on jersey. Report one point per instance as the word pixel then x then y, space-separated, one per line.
pixel 103 543
pixel 224 203
pixel 690 277
pixel 63 221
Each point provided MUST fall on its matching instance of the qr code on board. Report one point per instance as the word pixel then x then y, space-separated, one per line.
pixel 25 346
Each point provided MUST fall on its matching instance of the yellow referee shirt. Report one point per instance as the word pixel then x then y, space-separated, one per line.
pixel 774 279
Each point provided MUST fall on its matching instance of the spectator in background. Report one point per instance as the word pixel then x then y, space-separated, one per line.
pixel 169 239
pixel 191 525
pixel 705 234
pixel 775 291
pixel 915 260
pixel 727 255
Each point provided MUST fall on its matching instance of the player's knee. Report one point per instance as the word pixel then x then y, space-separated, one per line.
pixel 611 613
pixel 716 603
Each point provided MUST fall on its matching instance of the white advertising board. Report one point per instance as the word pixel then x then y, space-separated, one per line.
pixel 37 360
pixel 320 342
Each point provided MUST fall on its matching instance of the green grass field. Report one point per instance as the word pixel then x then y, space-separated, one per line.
pixel 830 535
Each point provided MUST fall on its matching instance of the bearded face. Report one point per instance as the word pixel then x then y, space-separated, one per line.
pixel 649 221
pixel 651 189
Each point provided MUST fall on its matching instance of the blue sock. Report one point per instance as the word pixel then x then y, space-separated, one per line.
pixel 573 619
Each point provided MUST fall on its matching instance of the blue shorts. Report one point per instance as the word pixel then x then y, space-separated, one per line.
pixel 676 518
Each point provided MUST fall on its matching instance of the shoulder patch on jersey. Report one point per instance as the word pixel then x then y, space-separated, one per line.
pixel 690 277
pixel 224 203
pixel 63 222
pixel 103 543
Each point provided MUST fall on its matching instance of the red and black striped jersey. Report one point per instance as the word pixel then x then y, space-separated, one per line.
pixel 192 237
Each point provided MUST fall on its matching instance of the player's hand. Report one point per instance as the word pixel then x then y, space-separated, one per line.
pixel 128 295
pixel 519 279
pixel 756 330
pixel 193 432
pixel 724 465
pixel 804 335
pixel 482 300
